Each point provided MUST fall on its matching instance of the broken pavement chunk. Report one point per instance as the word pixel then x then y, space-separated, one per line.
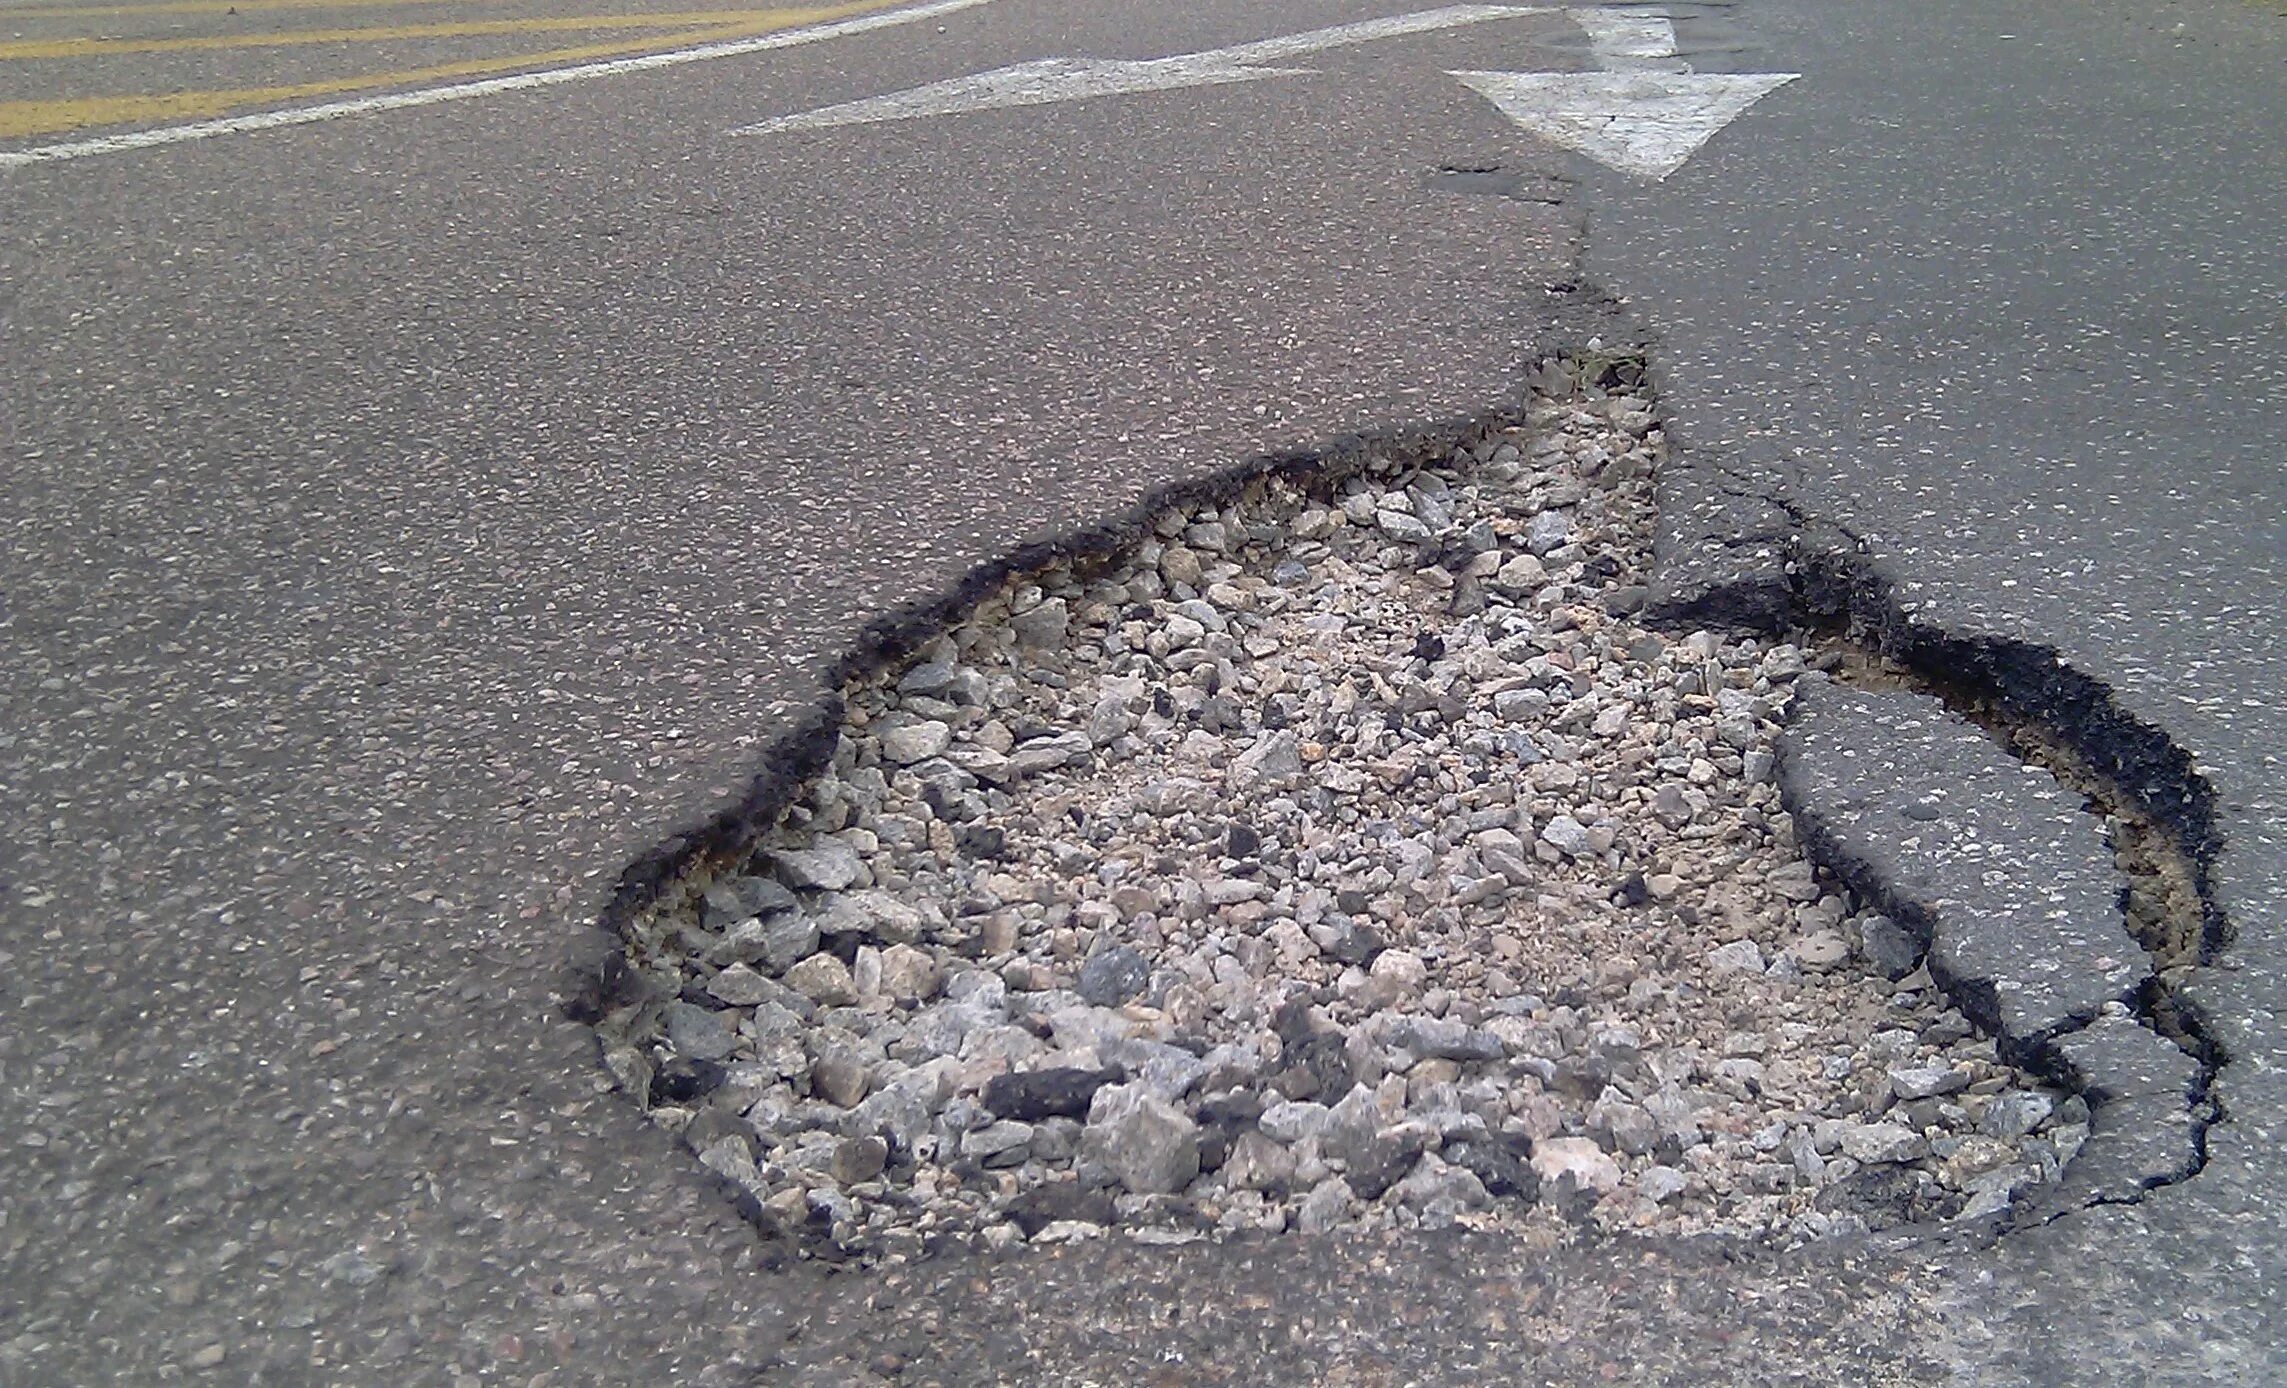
pixel 2143 1128
pixel 1920 810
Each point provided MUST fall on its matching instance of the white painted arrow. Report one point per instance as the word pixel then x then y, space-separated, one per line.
pixel 1644 114
pixel 1049 80
pixel 1641 123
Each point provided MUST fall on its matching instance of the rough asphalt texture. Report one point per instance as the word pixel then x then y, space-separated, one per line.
pixel 407 522
pixel 411 520
pixel 1993 294
pixel 1921 811
pixel 1923 806
pixel 1030 924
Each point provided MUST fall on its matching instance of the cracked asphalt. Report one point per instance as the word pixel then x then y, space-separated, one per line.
pixel 1992 306
pixel 411 519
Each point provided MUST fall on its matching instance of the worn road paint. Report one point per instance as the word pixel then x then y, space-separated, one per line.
pixel 1025 84
pixel 1641 123
pixel 1644 114
pixel 56 115
pixel 1623 40
pixel 49 116
pixel 36 49
pixel 465 91
pixel 1047 80
pixel 233 7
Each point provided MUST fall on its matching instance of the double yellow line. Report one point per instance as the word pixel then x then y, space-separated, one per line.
pixel 42 117
pixel 167 7
pixel 693 21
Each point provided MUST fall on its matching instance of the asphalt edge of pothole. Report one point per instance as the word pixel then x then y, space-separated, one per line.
pixel 1733 549
pixel 594 976
pixel 599 977
pixel 1588 337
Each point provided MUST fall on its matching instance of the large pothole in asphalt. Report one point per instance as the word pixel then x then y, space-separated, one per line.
pixel 1340 855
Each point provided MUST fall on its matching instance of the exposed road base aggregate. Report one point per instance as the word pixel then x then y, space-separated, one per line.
pixel 1342 856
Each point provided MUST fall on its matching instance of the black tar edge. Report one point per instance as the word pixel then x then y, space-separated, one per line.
pixel 596 978
pixel 1785 570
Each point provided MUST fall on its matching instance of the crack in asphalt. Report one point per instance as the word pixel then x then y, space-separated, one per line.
pixel 2043 711
pixel 2160 811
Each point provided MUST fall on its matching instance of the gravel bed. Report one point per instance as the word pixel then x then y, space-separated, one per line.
pixel 1324 864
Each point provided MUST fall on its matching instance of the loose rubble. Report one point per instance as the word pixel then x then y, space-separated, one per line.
pixel 1324 863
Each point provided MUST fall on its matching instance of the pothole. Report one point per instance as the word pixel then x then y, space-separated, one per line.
pixel 1342 853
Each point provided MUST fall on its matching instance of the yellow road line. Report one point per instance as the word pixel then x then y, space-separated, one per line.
pixel 31 49
pixel 862 17
pixel 18 118
pixel 105 11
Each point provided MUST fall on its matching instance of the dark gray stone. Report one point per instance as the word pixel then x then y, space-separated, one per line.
pixel 1000 1144
pixel 955 684
pixel 1148 1144
pixel 1031 1095
pixel 1374 1156
pixel 738 898
pixel 698 1033
pixel 1275 759
pixel 784 941
pixel 1113 976
pixel 829 866
pixel 1353 942
pixel 980 840
pixel 1048 753
pixel 1503 1168
pixel 1545 532
pixel 1886 1196
pixel 1671 807
pixel 1890 948
pixel 860 1159
pixel 683 1079
pixel 1056 1202
pixel 2011 1116
pixel 1315 1067
pixel 1440 1037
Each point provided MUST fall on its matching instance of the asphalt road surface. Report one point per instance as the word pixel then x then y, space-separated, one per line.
pixel 417 507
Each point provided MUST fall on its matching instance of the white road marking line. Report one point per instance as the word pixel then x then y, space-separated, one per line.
pixel 1038 83
pixel 464 91
pixel 1048 80
pixel 1371 30
pixel 1624 39
pixel 1644 114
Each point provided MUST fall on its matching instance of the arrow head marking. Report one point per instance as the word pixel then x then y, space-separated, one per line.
pixel 1641 123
